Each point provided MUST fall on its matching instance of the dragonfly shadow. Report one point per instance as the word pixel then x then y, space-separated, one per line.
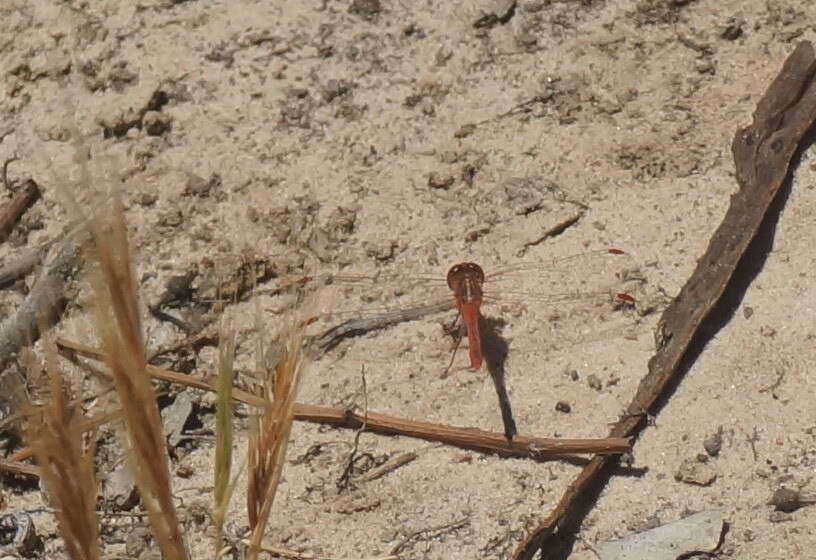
pixel 494 351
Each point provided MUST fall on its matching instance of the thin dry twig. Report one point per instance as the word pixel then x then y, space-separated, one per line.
pixel 389 466
pixel 471 438
pixel 4 170
pixel 11 213
pixel 437 530
pixel 289 554
pixel 16 467
pixel 345 478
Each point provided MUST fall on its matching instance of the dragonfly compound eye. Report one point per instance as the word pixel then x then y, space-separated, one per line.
pixel 458 273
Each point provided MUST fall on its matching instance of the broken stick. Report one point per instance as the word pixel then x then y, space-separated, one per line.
pixel 11 213
pixel 762 155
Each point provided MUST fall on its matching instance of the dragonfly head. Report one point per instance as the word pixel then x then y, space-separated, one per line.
pixel 465 272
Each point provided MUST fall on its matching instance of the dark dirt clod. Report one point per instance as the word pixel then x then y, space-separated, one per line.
pixel 563 406
pixel 788 500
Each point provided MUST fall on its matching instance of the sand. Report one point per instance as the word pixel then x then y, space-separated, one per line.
pixel 390 138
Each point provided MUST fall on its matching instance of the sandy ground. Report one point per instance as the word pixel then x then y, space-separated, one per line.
pixel 400 137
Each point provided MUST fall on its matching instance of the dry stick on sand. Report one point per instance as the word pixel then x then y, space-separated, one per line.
pixel 45 300
pixel 22 266
pixel 16 467
pixel 762 155
pixel 470 438
pixel 11 213
pixel 41 307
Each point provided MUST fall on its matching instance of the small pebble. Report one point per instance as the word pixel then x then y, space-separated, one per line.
pixel 156 123
pixel 464 131
pixel 787 500
pixel 119 490
pixel 594 382
pixel 713 443
pixel 692 471
pixel 437 181
pixel 779 517
pixel 732 30
pixel 366 9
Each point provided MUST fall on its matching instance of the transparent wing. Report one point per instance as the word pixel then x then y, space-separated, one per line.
pixel 355 304
pixel 591 277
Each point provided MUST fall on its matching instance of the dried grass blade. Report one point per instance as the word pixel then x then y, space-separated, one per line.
pixel 119 324
pixel 56 436
pixel 223 432
pixel 269 438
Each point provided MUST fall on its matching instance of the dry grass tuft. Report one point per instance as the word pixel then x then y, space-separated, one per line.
pixel 56 436
pixel 66 467
pixel 269 436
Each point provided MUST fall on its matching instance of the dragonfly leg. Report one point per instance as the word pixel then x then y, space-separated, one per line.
pixel 455 331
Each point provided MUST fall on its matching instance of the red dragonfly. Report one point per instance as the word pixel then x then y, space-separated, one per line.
pixel 465 281
pixel 586 276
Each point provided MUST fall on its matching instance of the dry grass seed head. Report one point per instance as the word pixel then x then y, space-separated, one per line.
pixel 118 321
pixel 269 435
pixel 67 468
